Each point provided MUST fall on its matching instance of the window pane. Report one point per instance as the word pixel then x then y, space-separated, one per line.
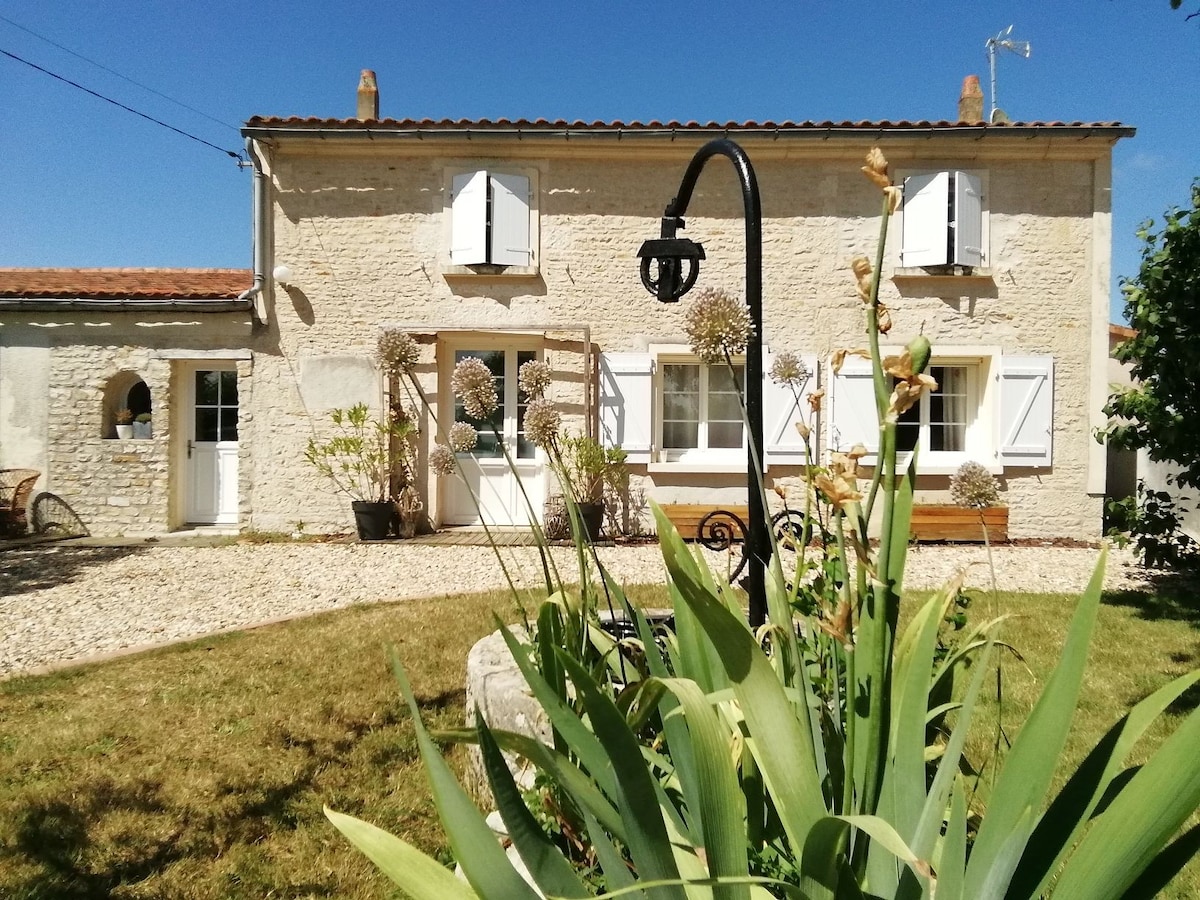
pixel 720 379
pixel 723 435
pixel 208 388
pixel 680 435
pixel 948 409
pixel 229 395
pixel 229 424
pixel 724 413
pixel 724 408
pixel 525 447
pixel 681 379
pixel 681 406
pixel 908 428
pixel 487 445
pixel 206 425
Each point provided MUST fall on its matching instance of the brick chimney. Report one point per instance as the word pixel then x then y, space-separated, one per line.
pixel 368 95
pixel 970 101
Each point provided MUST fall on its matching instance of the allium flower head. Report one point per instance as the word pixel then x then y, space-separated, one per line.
pixel 396 352
pixel 542 422
pixel 787 368
pixel 534 378
pixel 717 324
pixel 973 486
pixel 441 460
pixel 473 384
pixel 463 437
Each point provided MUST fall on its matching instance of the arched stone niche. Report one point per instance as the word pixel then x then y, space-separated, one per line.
pixel 125 390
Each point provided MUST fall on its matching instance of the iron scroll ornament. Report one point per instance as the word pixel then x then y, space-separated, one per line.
pixel 721 529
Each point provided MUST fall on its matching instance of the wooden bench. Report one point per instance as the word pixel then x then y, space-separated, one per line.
pixel 937 522
pixel 16 486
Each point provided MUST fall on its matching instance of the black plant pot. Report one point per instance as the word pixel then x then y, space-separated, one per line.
pixel 373 519
pixel 592 515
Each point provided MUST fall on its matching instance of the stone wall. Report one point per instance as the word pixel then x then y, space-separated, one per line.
pixel 364 232
pixel 87 362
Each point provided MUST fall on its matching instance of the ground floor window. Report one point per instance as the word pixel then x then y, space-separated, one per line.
pixel 940 422
pixel 701 411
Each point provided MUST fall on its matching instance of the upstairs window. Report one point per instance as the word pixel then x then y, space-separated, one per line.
pixel 491 219
pixel 943 220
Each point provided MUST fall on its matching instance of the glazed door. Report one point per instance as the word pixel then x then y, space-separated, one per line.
pixel 212 449
pixel 488 474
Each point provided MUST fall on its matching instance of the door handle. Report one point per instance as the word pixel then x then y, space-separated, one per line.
pixel 189 450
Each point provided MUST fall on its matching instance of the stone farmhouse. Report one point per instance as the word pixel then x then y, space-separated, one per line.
pixel 515 240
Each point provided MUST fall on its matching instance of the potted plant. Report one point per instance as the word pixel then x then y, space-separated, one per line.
pixel 586 469
pixel 141 426
pixel 124 419
pixel 361 460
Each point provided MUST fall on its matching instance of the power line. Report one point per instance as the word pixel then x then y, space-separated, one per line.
pixel 73 84
pixel 42 37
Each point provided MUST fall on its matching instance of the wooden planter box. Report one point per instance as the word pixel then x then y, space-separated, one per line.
pixel 930 522
pixel 936 522
pixel 686 516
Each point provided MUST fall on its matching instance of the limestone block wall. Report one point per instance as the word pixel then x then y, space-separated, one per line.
pixel 364 231
pixel 116 487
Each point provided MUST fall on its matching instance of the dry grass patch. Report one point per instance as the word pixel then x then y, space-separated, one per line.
pixel 198 772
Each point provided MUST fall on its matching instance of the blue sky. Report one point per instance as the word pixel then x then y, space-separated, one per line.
pixel 83 183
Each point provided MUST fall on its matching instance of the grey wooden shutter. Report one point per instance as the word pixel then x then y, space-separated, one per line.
pixel 854 419
pixel 627 404
pixel 968 220
pixel 1026 415
pixel 781 411
pixel 510 220
pixel 468 219
pixel 926 221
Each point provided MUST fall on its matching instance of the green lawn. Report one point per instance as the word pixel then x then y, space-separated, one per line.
pixel 199 771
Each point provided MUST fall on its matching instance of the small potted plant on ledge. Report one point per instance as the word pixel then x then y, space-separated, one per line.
pixel 360 460
pixel 124 420
pixel 142 428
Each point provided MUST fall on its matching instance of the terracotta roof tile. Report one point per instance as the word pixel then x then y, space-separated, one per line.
pixel 125 284
pixel 655 125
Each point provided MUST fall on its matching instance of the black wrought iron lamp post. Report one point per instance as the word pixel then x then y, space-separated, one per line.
pixel 673 281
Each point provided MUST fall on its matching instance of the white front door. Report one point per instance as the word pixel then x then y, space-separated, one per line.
pixel 212 449
pixel 488 474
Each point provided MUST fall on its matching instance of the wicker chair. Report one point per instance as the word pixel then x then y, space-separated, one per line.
pixel 16 486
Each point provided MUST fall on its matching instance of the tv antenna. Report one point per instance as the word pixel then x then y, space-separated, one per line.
pixel 1002 41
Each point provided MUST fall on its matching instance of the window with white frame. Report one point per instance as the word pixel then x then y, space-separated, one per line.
pixel 944 220
pixel 701 410
pixel 945 420
pixel 994 409
pixel 665 408
pixel 493 218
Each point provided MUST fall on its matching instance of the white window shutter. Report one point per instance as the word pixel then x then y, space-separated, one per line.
pixel 926 220
pixel 510 220
pixel 854 418
pixel 468 219
pixel 782 409
pixel 968 219
pixel 627 404
pixel 1026 427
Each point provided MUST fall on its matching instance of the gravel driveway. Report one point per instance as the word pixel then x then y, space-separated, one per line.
pixel 63 602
